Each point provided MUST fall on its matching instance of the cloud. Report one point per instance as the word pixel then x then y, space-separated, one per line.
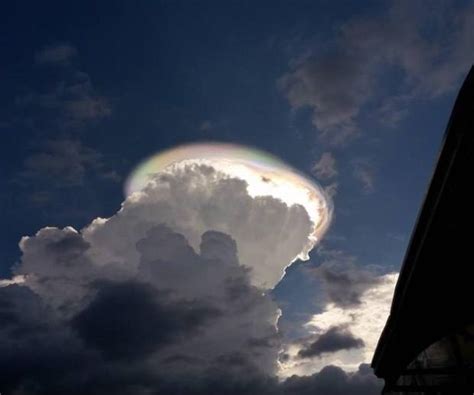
pixel 335 339
pixel 101 328
pixel 14 280
pixel 56 54
pixel 58 164
pixel 363 172
pixel 325 168
pixel 366 319
pixel 132 320
pixel 206 126
pixel 342 82
pixel 68 100
pixel 63 162
pixel 331 189
pixel 355 306
pixel 170 295
pixel 343 281
pixel 334 87
pixel 41 353
pixel 334 381
pixel 198 198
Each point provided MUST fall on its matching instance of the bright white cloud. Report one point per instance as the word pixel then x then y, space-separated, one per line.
pixel 193 233
pixel 200 299
pixel 269 233
pixel 14 280
pixel 182 271
pixel 168 235
pixel 365 321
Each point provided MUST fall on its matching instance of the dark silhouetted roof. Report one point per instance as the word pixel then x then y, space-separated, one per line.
pixel 434 296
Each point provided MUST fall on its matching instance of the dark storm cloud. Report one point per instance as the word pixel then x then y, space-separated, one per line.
pixel 132 320
pixel 338 84
pixel 105 347
pixel 344 281
pixel 332 380
pixel 335 339
pixel 34 350
pixel 130 305
pixel 40 353
pixel 97 330
pixel 21 310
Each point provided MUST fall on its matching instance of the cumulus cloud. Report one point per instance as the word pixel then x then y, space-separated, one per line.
pixel 362 311
pixel 41 352
pixel 365 319
pixel 338 85
pixel 335 339
pixel 333 380
pixel 268 233
pixel 77 326
pixel 132 320
pixel 169 293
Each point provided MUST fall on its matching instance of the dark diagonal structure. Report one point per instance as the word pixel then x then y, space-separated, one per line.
pixel 427 345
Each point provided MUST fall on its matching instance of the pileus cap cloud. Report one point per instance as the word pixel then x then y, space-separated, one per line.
pixel 264 174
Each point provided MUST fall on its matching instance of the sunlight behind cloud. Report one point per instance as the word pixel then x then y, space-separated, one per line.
pixel 264 174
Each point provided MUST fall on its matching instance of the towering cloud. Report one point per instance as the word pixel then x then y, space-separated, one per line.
pixel 169 291
pixel 169 295
pixel 269 233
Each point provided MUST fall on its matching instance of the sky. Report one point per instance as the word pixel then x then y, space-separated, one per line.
pixel 194 284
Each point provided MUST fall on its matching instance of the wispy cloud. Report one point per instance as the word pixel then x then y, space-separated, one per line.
pixel 61 163
pixel 325 168
pixel 206 126
pixel 364 173
pixel 56 54
pixel 338 84
pixel 70 100
pixel 331 189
